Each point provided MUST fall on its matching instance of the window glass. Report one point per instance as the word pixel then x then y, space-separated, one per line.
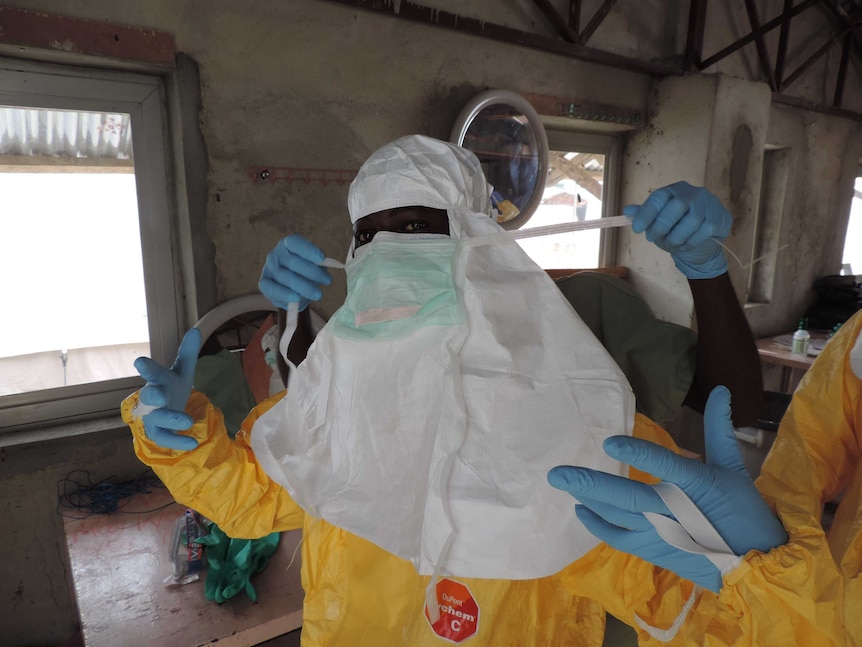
pixel 573 192
pixel 851 263
pixel 72 240
pixel 582 183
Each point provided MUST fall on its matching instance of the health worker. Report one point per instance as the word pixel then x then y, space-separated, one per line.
pixel 412 443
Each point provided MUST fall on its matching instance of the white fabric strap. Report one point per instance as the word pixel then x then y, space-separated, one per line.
pixel 293 317
pixel 547 230
pixel 445 474
pixel 692 532
pixel 666 635
pixel 141 409
pixel 562 228
pixel 289 328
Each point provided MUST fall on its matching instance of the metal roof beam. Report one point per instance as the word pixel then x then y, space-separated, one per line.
pixel 556 20
pixel 696 28
pixel 782 42
pixel 811 60
pixel 762 52
pixel 764 29
pixel 601 13
pixel 492 31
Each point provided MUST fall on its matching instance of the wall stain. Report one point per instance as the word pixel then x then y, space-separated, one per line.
pixel 743 141
pixel 18 595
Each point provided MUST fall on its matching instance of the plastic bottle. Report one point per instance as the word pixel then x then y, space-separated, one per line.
pixel 800 340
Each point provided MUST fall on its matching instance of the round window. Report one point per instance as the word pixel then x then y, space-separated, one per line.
pixel 507 135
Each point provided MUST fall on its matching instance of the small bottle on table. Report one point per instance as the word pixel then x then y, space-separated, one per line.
pixel 801 338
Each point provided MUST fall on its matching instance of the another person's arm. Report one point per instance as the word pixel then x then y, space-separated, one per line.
pixel 726 351
pixel 689 222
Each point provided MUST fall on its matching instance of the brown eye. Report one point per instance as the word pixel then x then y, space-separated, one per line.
pixel 364 237
pixel 416 225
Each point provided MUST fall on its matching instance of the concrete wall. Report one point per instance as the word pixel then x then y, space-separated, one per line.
pixel 824 154
pixel 712 131
pixel 37 605
pixel 314 84
pixel 708 130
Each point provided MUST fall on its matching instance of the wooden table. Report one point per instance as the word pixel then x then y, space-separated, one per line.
pixel 776 350
pixel 119 562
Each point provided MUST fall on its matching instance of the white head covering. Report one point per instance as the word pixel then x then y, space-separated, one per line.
pixel 431 406
pixel 418 171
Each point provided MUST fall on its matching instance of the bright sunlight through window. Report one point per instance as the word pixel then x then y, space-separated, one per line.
pixel 76 309
pixel 573 192
pixel 852 261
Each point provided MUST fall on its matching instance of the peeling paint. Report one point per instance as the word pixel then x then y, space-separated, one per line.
pixel 65 46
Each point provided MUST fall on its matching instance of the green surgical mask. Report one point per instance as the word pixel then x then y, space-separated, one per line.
pixel 398 283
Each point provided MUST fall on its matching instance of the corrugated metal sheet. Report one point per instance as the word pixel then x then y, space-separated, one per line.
pixel 61 133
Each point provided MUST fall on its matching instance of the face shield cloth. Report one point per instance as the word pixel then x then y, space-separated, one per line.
pixel 432 404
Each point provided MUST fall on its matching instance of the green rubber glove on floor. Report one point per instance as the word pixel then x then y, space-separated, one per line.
pixel 232 562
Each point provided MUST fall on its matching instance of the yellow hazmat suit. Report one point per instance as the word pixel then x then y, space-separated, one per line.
pixel 816 458
pixel 357 594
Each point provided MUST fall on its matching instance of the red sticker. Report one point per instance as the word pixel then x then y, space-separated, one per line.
pixel 459 613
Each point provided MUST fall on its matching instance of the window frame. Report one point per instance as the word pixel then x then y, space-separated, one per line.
pixel 609 145
pixel 143 97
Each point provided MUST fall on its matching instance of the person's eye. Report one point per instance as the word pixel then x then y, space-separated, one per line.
pixel 415 225
pixel 363 237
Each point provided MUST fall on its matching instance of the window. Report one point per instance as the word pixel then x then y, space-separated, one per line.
pixel 581 185
pixel 85 240
pixel 851 263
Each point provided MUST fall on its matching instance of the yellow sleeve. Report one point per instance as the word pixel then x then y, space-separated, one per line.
pixel 791 596
pixel 220 478
pixel 816 456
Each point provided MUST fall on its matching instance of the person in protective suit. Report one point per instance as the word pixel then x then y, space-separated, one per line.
pixel 804 592
pixel 357 592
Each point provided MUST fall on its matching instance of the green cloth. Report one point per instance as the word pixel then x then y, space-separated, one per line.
pixel 222 379
pixel 232 562
pixel 657 357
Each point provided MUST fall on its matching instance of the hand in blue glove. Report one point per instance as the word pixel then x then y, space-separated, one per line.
pixel 168 390
pixel 612 507
pixel 292 273
pixel 686 221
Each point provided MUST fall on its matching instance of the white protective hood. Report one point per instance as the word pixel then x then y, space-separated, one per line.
pixel 434 443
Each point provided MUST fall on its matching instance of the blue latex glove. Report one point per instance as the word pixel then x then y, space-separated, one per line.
pixel 721 488
pixel 292 273
pixel 169 390
pixel 686 221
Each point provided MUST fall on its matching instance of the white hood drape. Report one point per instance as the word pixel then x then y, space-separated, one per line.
pixel 429 427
